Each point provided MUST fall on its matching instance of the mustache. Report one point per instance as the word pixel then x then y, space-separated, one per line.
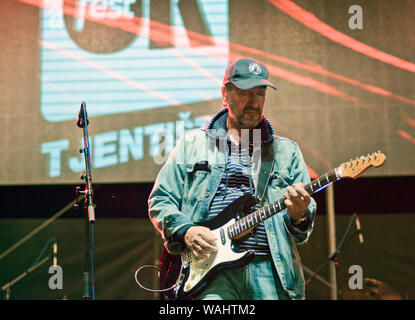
pixel 252 109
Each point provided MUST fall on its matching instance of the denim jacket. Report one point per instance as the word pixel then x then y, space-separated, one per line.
pixel 191 175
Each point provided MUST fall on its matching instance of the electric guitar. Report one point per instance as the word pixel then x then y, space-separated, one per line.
pixel 186 276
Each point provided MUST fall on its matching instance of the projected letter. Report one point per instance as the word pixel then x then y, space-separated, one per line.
pixel 131 144
pixel 105 149
pixel 54 149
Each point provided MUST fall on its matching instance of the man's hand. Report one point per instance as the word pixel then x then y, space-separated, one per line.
pixel 201 241
pixel 296 200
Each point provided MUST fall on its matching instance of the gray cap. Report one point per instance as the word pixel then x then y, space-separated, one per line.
pixel 247 74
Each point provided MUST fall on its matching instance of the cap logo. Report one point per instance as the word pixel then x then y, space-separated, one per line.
pixel 255 68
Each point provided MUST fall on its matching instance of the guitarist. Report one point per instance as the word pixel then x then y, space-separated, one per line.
pixel 204 174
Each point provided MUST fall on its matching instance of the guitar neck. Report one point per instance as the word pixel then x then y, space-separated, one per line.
pixel 247 223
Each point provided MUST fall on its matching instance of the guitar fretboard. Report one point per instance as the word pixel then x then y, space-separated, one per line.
pixel 253 219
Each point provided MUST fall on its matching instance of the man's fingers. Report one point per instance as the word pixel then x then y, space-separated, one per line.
pixel 297 189
pixel 288 202
pixel 198 254
pixel 292 191
pixel 202 253
pixel 296 199
pixel 208 246
pixel 204 246
pixel 208 236
pixel 301 191
pixel 299 200
pixel 201 241
pixel 298 194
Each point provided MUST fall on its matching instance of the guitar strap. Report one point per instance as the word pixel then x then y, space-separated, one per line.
pixel 267 165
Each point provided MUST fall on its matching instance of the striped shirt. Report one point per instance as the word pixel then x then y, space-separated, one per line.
pixel 236 182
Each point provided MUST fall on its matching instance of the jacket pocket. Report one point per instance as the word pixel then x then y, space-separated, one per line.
pixel 281 179
pixel 196 182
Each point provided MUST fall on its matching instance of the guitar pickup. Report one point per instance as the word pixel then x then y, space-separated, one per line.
pixel 222 236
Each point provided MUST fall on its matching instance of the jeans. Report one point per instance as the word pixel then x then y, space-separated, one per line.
pixel 256 281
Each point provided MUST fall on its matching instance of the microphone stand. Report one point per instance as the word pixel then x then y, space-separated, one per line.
pixel 6 288
pixel 89 205
pixel 333 256
pixel 35 265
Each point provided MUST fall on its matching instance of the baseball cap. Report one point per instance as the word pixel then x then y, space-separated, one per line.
pixel 246 74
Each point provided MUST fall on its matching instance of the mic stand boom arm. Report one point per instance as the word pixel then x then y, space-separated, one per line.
pixel 333 256
pixel 7 286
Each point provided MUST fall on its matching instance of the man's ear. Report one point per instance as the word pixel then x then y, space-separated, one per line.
pixel 224 96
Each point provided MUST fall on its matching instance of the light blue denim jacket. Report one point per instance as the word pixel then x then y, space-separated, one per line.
pixel 187 182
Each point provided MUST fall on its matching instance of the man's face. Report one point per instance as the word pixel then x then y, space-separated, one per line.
pixel 246 107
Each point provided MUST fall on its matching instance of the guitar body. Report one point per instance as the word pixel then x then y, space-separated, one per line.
pixel 193 275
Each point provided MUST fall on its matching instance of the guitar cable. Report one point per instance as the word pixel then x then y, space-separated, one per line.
pixel 159 273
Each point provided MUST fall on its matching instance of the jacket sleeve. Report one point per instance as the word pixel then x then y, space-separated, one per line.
pixel 165 201
pixel 299 172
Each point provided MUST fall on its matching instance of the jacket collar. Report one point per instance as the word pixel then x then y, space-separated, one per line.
pixel 216 128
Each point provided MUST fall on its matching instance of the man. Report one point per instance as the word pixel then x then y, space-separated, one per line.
pixel 204 174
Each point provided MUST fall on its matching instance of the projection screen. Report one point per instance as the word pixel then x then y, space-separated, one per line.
pixel 149 70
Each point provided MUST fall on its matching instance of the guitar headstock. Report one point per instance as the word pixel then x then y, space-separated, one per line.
pixel 354 168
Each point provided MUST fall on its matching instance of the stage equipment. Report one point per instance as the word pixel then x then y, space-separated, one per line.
pixel 332 258
pixel 372 290
pixel 89 207
pixel 6 289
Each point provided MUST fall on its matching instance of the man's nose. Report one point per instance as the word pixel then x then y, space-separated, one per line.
pixel 253 100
